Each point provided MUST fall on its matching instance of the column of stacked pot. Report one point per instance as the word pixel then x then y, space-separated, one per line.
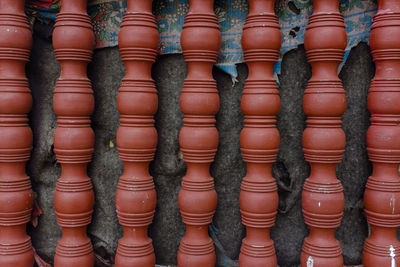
pixel 16 196
pixel 199 102
pixel 382 193
pixel 259 140
pixel 324 140
pixel 73 101
pixel 136 137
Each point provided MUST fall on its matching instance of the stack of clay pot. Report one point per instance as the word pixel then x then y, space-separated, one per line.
pixel 324 141
pixel 73 102
pixel 198 138
pixel 261 40
pixel 382 193
pixel 16 196
pixel 137 138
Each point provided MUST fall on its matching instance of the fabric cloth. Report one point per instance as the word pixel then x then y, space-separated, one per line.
pixel 42 10
pixel 293 15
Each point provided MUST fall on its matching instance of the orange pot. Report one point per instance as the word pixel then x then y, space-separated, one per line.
pixel 259 139
pixel 136 137
pixel 73 102
pixel 324 141
pixel 382 191
pixel 16 196
pixel 200 40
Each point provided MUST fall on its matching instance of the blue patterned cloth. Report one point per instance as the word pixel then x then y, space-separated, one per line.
pixel 293 16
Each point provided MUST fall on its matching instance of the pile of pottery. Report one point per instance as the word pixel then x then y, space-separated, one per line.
pixel 323 140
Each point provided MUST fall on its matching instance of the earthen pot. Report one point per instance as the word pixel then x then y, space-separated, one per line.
pixel 73 102
pixel 16 196
pixel 324 141
pixel 198 139
pixel 382 191
pixel 259 139
pixel 136 137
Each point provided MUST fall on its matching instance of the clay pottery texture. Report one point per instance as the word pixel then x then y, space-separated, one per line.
pixel 259 138
pixel 198 139
pixel 382 193
pixel 324 103
pixel 16 196
pixel 73 102
pixel 136 137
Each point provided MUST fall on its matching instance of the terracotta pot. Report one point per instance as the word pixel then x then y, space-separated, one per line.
pixel 324 141
pixel 259 139
pixel 73 102
pixel 382 192
pixel 137 138
pixel 16 196
pixel 200 40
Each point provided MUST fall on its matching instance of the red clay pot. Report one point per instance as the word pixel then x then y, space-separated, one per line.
pixel 261 40
pixel 382 193
pixel 200 40
pixel 324 141
pixel 16 196
pixel 136 137
pixel 73 102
